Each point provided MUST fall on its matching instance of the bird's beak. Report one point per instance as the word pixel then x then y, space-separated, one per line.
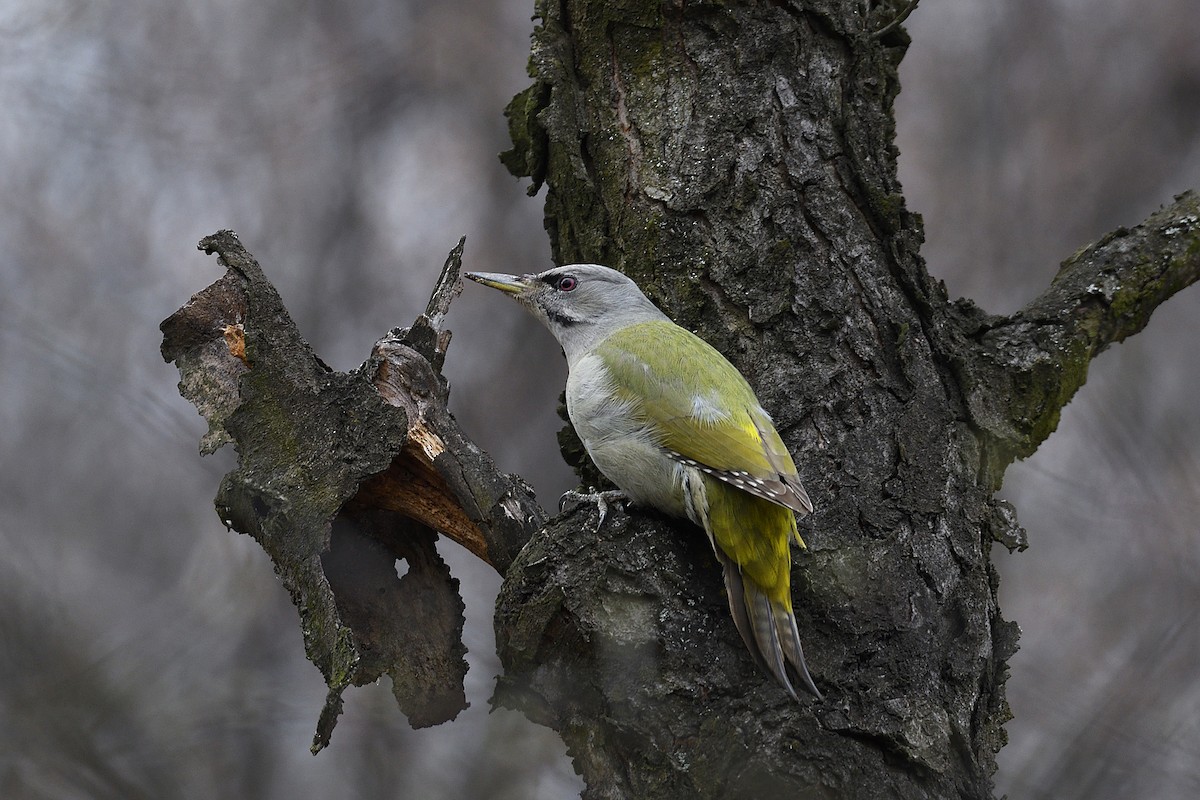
pixel 509 284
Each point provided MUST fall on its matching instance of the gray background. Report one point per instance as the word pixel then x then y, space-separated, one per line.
pixel 147 652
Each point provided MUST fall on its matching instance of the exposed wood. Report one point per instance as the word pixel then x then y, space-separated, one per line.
pixel 340 475
pixel 737 159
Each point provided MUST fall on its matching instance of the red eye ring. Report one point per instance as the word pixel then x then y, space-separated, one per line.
pixel 566 283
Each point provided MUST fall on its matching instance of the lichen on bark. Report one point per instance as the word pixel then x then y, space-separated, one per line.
pixel 738 161
pixel 340 475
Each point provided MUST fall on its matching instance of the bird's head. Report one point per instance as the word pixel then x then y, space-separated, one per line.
pixel 580 303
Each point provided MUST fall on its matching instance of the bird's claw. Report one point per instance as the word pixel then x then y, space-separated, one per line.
pixel 601 499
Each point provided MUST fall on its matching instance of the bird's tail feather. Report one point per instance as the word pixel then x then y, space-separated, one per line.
pixel 768 630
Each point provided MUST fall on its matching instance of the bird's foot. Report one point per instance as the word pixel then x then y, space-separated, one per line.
pixel 603 500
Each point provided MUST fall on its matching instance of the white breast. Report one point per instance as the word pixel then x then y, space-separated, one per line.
pixel 616 436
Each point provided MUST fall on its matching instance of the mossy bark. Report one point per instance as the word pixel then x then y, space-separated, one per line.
pixel 737 160
pixel 340 475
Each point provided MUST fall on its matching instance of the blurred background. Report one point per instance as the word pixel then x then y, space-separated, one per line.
pixel 147 652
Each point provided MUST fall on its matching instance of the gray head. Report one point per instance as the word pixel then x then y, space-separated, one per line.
pixel 581 304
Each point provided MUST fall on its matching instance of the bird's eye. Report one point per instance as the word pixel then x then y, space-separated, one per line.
pixel 566 283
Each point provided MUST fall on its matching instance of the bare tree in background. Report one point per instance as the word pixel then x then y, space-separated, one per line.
pixel 738 161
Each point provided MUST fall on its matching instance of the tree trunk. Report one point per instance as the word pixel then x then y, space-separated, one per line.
pixel 737 160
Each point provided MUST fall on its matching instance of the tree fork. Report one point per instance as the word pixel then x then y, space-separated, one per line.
pixel 738 161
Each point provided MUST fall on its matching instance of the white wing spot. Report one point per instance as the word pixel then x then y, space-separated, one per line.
pixel 707 408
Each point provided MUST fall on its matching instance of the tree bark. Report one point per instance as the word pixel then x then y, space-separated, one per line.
pixel 737 160
pixel 340 475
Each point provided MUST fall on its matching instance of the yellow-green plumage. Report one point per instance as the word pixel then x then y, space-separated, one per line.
pixel 754 533
pixel 703 413
pixel 673 424
pixel 667 368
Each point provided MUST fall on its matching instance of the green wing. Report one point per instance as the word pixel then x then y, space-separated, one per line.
pixel 703 409
pixel 706 415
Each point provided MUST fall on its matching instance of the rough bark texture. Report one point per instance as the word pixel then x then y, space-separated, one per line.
pixel 342 474
pixel 737 160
